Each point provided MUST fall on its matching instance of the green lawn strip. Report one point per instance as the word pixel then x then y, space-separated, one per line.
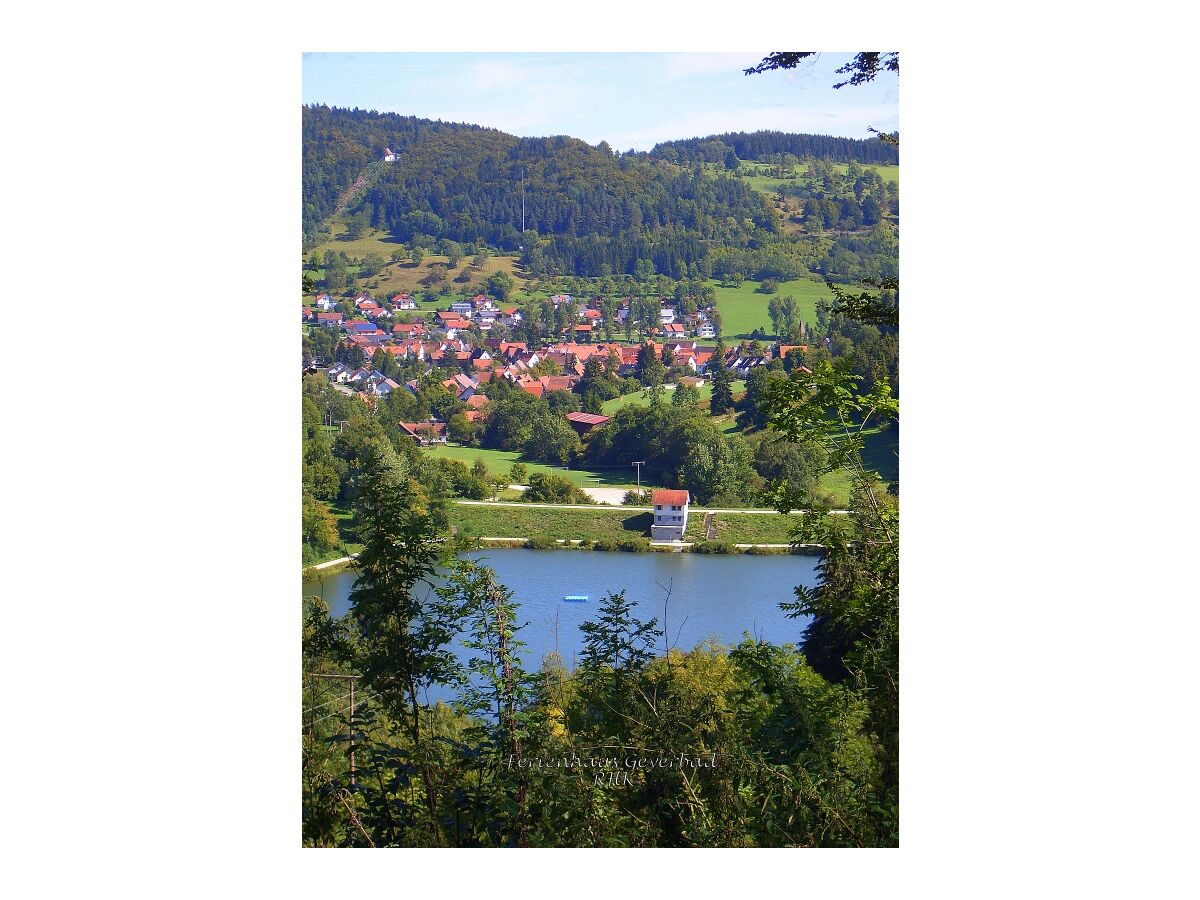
pixel 754 528
pixel 587 523
pixel 500 461
pixel 578 523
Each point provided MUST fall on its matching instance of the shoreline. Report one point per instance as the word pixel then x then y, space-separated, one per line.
pixel 715 548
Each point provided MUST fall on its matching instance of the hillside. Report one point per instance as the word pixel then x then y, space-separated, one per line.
pixel 586 210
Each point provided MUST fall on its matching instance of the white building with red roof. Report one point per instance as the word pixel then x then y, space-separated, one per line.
pixel 670 515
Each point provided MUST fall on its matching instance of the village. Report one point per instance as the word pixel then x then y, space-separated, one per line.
pixel 456 344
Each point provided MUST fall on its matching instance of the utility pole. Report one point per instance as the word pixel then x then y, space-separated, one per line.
pixel 639 465
pixel 351 679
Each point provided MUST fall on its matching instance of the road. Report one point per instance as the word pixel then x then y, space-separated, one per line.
pixel 694 510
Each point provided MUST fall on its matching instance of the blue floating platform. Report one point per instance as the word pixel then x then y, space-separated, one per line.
pixel 575 598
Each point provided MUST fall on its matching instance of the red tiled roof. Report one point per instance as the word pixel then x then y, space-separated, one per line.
pixel 588 418
pixel 669 498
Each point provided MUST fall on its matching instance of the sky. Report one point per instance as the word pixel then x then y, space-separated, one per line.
pixel 630 100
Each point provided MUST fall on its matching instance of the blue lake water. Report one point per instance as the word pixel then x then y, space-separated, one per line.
pixel 712 596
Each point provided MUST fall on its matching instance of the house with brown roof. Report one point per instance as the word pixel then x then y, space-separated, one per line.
pixel 584 422
pixel 425 433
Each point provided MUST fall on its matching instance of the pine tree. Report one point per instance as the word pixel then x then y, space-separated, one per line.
pixel 722 389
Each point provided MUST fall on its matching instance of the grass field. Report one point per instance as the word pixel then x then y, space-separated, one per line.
pixel 744 309
pixel 762 180
pixel 581 523
pixel 404 276
pixel 379 243
pixel 613 523
pixel 500 461
pixel 641 398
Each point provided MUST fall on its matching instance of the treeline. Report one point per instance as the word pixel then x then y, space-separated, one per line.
pixel 760 145
pixel 335 430
pixel 587 210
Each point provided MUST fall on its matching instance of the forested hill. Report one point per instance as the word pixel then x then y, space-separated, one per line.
pixel 339 144
pixel 588 211
pixel 762 145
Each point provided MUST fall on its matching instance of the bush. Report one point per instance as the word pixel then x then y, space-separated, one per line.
pixel 713 547
pixel 546 487
pixel 633 498
pixel 633 545
pixel 605 544
pixel 541 543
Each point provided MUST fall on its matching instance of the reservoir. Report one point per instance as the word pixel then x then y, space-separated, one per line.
pixel 722 597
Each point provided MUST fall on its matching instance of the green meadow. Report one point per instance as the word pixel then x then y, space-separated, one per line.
pixel 744 308
pixel 500 461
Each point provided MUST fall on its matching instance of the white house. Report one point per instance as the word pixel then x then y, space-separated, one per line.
pixel 706 329
pixel 670 515
pixel 389 155
pixel 324 302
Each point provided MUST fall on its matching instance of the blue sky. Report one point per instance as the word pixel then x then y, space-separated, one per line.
pixel 631 100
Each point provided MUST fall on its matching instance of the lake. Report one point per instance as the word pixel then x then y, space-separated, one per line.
pixel 712 596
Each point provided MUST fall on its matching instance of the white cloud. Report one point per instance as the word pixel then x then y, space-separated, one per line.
pixel 683 65
pixel 499 75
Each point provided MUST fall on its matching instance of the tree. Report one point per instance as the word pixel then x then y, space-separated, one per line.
pixel 651 371
pixel 854 633
pixel 460 429
pixel 546 487
pixel 552 440
pixel 863 68
pixel 712 464
pixel 721 401
pixel 416 255
pixel 617 641
pixel 685 395
pixel 499 285
pixel 518 473
pixel 404 643
pixel 479 469
pixel 318 525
